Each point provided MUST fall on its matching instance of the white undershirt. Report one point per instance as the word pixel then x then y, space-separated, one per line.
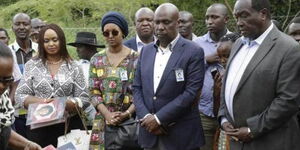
pixel 161 60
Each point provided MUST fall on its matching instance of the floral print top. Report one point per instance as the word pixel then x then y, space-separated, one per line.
pixel 107 82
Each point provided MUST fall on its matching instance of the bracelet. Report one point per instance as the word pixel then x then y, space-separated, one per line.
pixel 129 114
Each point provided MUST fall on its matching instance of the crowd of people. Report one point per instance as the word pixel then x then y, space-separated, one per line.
pixel 223 90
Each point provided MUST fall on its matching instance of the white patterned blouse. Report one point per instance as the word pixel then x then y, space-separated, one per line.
pixel 37 81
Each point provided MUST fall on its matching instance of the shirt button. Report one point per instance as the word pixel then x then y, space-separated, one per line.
pixel 154 98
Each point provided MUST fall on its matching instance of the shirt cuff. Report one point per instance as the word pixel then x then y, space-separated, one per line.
pixel 146 116
pixel 157 120
pixel 223 120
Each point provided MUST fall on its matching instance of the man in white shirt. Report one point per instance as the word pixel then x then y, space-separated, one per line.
pixel 144 29
pixel 167 83
pixel 260 95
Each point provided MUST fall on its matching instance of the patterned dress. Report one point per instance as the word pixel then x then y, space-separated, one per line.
pixel 106 87
pixel 67 82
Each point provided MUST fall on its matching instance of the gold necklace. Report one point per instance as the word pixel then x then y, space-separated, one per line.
pixel 54 63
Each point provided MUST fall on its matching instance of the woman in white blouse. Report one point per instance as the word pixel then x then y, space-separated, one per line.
pixel 50 75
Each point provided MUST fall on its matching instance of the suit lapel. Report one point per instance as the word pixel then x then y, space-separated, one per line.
pixel 176 54
pixel 261 52
pixel 150 64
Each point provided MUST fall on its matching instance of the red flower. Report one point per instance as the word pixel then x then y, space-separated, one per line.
pixel 112 84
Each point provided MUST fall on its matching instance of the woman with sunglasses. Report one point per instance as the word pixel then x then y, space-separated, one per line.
pixel 111 75
pixel 49 76
pixel 8 137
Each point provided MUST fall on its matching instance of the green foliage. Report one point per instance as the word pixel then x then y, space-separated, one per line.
pixel 85 15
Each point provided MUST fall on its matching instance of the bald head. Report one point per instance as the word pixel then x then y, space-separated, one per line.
pixel 142 11
pixel 144 25
pixel 21 15
pixel 166 23
pixel 169 9
pixel 186 24
pixel 21 26
pixel 221 8
pixel 216 19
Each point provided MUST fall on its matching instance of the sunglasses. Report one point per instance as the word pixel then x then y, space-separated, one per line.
pixel 113 32
pixel 7 80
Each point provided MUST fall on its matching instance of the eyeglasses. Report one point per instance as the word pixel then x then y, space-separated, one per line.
pixel 113 32
pixel 7 80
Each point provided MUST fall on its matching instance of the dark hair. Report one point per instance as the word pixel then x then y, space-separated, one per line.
pixel 296 20
pixel 230 37
pixel 62 43
pixel 5 31
pixel 5 52
pixel 258 5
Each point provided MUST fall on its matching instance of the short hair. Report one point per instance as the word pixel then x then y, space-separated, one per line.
pixel 230 37
pixel 258 5
pixel 5 52
pixel 62 43
pixel 5 31
pixel 295 20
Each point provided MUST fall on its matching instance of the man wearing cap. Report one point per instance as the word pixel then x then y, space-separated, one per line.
pixel 86 46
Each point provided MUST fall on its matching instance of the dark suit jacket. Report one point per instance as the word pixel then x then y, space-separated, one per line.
pixel 174 103
pixel 267 97
pixel 131 43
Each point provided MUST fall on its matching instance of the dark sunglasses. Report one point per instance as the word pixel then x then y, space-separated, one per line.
pixel 113 32
pixel 7 80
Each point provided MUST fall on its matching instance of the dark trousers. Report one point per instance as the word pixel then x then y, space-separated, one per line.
pixel 20 126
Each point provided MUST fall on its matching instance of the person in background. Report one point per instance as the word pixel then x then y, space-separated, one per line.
pixel 53 74
pixel 167 84
pixel 221 141
pixel 294 29
pixel 144 29
pixel 216 18
pixel 260 96
pixel 9 138
pixel 24 50
pixel 86 47
pixel 4 37
pixel 36 26
pixel 186 22
pixel 111 75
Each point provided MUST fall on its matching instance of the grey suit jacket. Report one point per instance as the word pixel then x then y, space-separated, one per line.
pixel 267 97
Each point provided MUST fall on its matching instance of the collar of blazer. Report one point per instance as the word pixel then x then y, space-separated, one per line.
pixel 267 45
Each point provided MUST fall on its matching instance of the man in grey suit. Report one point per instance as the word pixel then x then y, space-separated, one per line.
pixel 261 91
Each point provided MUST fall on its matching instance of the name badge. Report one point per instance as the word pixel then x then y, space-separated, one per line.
pixel 123 75
pixel 179 75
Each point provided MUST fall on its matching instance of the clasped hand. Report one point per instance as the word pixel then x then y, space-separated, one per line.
pixel 238 134
pixel 151 125
pixel 115 118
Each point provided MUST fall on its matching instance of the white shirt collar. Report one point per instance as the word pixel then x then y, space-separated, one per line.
pixel 171 44
pixel 260 39
pixel 16 46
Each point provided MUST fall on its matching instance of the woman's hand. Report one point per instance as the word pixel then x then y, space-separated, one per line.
pixel 32 146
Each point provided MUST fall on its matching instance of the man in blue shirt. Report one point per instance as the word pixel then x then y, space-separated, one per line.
pixel 215 19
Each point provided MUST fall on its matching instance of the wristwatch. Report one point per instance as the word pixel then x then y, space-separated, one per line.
pixel 249 132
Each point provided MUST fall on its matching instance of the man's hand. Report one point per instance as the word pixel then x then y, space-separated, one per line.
pixel 150 123
pixel 32 146
pixel 228 127
pixel 241 134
